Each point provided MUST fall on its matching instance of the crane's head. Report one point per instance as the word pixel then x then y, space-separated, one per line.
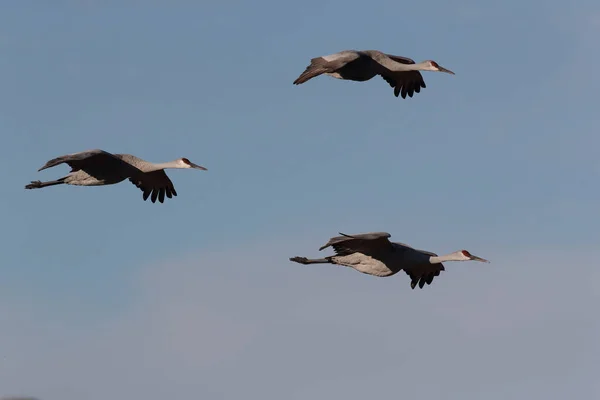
pixel 431 65
pixel 464 255
pixel 185 163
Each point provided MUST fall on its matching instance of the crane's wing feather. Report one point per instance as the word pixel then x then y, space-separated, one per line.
pixel 400 59
pixel 423 273
pixel 78 160
pixel 429 253
pixel 381 57
pixel 404 82
pixel 327 64
pixel 341 57
pixel 155 184
pixel 365 243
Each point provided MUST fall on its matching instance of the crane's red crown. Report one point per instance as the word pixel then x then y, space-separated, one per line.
pixel 185 160
pixel 434 64
pixel 466 253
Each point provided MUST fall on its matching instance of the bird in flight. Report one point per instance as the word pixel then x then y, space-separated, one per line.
pixel 373 254
pixel 401 73
pixel 98 167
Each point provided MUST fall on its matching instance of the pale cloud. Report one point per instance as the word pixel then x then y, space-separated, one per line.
pixel 218 326
pixel 524 290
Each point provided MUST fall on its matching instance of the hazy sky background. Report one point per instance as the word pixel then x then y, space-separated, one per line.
pixel 103 295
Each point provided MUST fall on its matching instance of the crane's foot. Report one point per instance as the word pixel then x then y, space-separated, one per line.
pixel 301 260
pixel 34 185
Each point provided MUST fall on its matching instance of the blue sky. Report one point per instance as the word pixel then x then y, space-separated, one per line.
pixel 103 294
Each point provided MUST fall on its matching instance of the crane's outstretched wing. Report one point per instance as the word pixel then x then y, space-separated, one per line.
pixel 155 183
pixel 326 64
pixel 424 273
pixel 88 158
pixel 403 82
pixel 400 59
pixel 365 243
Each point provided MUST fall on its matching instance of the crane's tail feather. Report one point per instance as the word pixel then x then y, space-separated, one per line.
pixel 54 162
pixel 313 70
pixel 344 237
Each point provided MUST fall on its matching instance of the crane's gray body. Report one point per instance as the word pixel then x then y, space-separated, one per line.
pixel 98 171
pixel 350 65
pixel 373 254
pixel 363 65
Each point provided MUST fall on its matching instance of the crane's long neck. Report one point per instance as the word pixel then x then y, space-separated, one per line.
pixel 447 257
pixel 392 65
pixel 159 166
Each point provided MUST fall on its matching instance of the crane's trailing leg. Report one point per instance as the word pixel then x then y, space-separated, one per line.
pixel 306 261
pixel 40 184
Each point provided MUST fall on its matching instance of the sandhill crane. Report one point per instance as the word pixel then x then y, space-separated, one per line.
pixel 98 167
pixel 400 72
pixel 374 254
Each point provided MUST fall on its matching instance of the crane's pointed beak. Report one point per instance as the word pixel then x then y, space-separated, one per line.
pixel 442 69
pixel 198 167
pixel 475 258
